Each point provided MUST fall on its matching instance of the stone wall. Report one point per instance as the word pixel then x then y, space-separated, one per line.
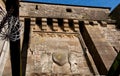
pixel 53 49
pixel 62 11
pixel 99 47
pixel 55 29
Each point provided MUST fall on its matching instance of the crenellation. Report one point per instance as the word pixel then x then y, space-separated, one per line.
pixel 76 26
pixel 44 23
pixel 55 26
pixel 32 21
pixel 44 26
pixel 66 27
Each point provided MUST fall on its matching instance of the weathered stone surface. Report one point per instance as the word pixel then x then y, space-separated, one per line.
pixel 51 54
pixel 55 47
pixel 73 60
pixel 65 69
pixel 54 50
pixel 45 63
pixel 99 48
pixel 60 58
pixel 60 11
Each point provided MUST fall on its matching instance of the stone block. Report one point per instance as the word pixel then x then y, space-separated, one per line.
pixel 55 20
pixel 86 22
pixel 44 23
pixel 95 22
pixel 66 25
pixel 44 27
pixel 55 26
pixel 76 21
pixel 55 29
pixel 103 23
pixel 44 19
pixel 65 20
pixel 76 27
pixel 21 19
pixel 32 21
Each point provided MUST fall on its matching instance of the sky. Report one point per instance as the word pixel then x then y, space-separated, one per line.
pixel 98 3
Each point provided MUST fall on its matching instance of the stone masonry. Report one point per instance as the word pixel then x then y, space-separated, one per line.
pixel 55 50
pixel 63 40
pixel 66 40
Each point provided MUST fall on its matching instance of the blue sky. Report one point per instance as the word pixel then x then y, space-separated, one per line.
pixel 100 3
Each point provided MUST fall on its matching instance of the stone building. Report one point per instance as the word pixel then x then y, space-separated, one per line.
pixel 66 40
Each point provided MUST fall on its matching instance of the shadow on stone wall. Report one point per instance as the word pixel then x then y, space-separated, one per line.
pixel 25 45
pixel 92 50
